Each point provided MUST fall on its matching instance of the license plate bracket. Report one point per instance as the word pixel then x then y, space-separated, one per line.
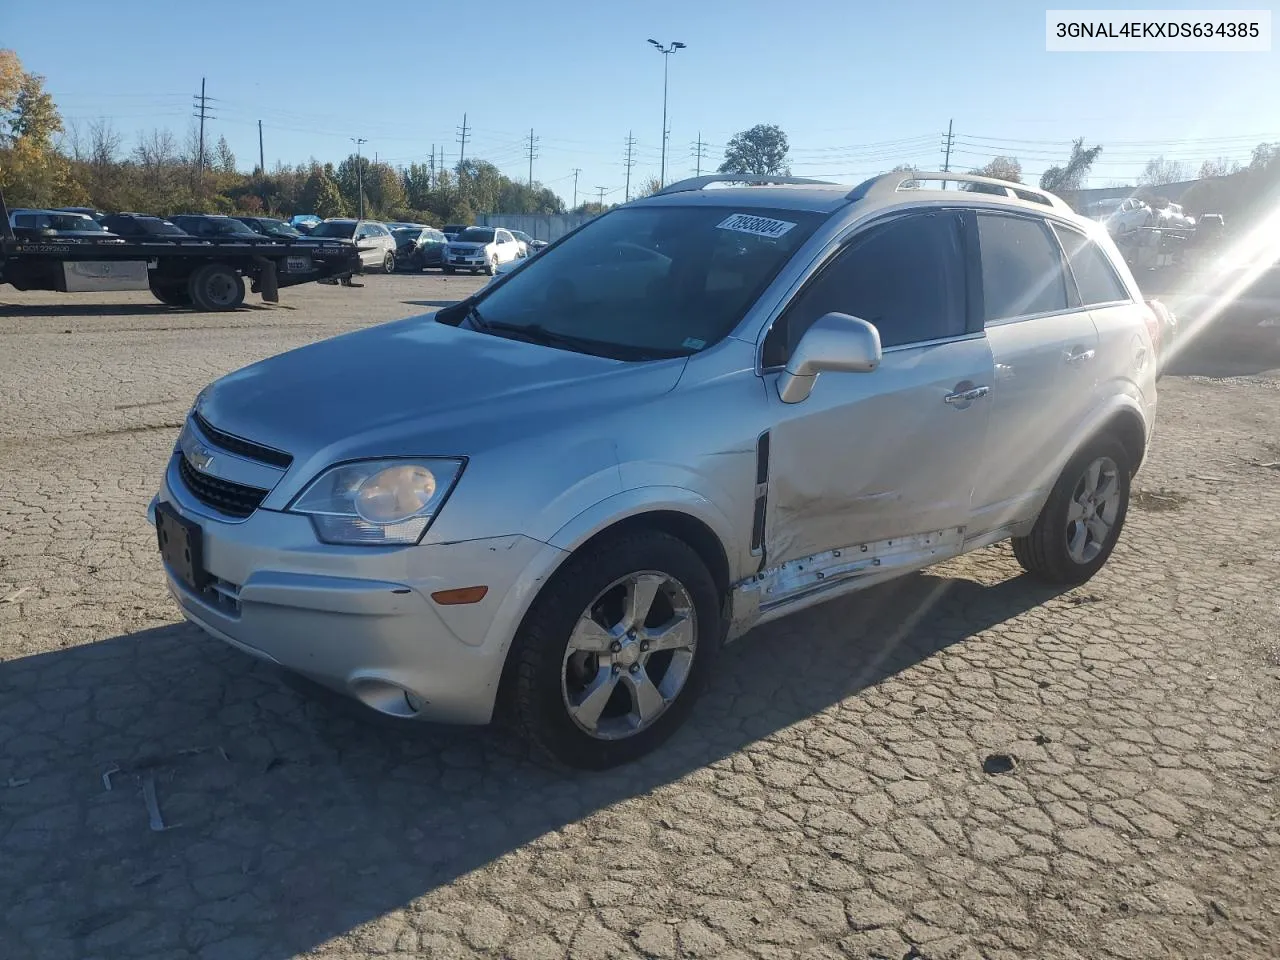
pixel 181 547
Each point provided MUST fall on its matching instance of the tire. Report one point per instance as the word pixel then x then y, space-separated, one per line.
pixel 548 674
pixel 1046 552
pixel 446 269
pixel 389 263
pixel 215 288
pixel 491 267
pixel 174 293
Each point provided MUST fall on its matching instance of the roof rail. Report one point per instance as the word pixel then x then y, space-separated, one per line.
pixel 697 183
pixel 890 183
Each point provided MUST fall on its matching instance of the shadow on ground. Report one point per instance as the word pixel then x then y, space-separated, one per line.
pixel 292 818
pixel 64 310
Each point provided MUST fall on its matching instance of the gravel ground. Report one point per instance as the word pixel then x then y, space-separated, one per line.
pixel 961 764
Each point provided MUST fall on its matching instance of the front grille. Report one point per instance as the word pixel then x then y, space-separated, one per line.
pixel 245 448
pixel 233 499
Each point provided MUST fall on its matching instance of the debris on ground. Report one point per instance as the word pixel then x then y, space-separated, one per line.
pixel 996 763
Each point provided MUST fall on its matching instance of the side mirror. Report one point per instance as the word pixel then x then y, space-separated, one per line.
pixel 836 343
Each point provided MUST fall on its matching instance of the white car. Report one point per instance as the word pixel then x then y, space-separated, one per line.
pixel 480 248
pixel 1121 215
pixel 1174 216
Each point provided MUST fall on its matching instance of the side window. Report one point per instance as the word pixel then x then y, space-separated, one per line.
pixel 1096 278
pixel 1021 268
pixel 362 231
pixel 906 277
pixel 26 220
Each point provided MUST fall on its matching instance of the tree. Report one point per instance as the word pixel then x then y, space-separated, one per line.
pixel 320 194
pixel 1001 168
pixel 1222 167
pixel 1072 176
pixel 648 188
pixel 32 172
pixel 760 150
pixel 1160 171
pixel 225 160
pixel 907 168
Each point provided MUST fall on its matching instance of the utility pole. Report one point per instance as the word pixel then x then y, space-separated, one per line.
pixel 202 111
pixel 576 171
pixel 946 146
pixel 431 168
pixel 631 143
pixel 533 144
pixel 359 172
pixel 262 162
pixel 601 191
pixel 699 154
pixel 666 59
pixel 463 136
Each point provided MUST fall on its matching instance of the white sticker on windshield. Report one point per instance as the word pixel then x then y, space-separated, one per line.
pixel 759 226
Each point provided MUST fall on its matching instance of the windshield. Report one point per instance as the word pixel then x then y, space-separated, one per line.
pixel 476 235
pixel 278 226
pixel 405 234
pixel 522 236
pixel 1105 206
pixel 159 227
pixel 345 229
pixel 75 221
pixel 672 280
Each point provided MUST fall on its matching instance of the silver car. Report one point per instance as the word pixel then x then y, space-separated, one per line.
pixel 699 412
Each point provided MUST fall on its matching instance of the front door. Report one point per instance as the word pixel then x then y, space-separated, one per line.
pixel 872 457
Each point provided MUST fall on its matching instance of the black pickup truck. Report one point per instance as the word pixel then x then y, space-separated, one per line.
pixel 208 274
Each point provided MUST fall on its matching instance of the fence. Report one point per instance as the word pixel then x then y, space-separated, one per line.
pixel 541 227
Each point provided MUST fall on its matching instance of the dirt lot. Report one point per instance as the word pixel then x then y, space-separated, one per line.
pixel 829 798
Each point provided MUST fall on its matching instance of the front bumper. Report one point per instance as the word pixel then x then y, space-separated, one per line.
pixel 466 262
pixel 361 619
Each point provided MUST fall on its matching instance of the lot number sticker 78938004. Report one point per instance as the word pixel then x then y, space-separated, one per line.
pixel 758 226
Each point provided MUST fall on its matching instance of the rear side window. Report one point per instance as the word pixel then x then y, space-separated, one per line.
pixel 906 277
pixel 1021 268
pixel 1096 278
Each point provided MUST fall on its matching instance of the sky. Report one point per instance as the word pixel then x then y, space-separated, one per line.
pixel 857 87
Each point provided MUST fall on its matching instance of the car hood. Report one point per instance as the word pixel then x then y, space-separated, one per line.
pixel 419 387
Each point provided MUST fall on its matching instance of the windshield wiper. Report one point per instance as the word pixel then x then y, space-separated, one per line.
pixel 536 333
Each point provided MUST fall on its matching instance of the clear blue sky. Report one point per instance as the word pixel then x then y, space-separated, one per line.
pixel 857 87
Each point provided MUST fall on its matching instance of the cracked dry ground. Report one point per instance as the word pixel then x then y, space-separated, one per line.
pixel 828 798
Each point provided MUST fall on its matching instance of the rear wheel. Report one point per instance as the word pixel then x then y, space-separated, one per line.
pixel 445 268
pixel 1082 519
pixel 389 263
pixel 216 287
pixel 171 292
pixel 615 650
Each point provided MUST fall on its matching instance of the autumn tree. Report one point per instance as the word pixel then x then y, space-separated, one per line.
pixel 32 172
pixel 1158 172
pixel 760 150
pixel 1072 175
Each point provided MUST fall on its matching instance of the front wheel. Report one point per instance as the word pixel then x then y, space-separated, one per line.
pixel 614 652
pixel 216 287
pixel 491 267
pixel 389 263
pixel 1082 519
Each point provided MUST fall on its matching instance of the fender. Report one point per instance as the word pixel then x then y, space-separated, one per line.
pixel 649 499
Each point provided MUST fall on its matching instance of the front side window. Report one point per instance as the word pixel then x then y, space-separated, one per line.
pixel 1021 268
pixel 906 277
pixel 1096 278
pixel 647 282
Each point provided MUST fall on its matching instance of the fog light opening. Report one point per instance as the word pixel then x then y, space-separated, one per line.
pixel 387 697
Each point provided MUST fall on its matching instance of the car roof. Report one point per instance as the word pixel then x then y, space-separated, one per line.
pixel 819 199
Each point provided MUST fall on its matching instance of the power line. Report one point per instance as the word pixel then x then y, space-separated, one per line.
pixel 202 112
pixel 533 144
pixel 699 154
pixel 629 163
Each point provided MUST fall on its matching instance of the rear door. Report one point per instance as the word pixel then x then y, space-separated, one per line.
pixel 873 457
pixel 1045 348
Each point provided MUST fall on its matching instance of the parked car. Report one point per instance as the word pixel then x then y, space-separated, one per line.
pixel 1121 216
pixel 1172 216
pixel 89 212
pixel 60 223
pixel 418 247
pixel 304 222
pixel 528 245
pixel 480 248
pixel 214 227
pixel 451 230
pixel 137 226
pixel 444 512
pixel 272 227
pixel 374 241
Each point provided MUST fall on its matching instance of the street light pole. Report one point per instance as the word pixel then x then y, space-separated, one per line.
pixel 666 56
pixel 359 172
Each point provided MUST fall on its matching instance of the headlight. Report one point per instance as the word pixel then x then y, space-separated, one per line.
pixel 377 502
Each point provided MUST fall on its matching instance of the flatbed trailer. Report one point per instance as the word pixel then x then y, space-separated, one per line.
pixel 179 271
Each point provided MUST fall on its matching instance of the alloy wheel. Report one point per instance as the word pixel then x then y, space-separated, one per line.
pixel 1092 512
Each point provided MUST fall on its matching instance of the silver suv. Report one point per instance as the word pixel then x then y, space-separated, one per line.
pixel 697 413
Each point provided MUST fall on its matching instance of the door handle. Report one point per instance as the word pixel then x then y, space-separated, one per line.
pixel 1080 357
pixel 966 396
